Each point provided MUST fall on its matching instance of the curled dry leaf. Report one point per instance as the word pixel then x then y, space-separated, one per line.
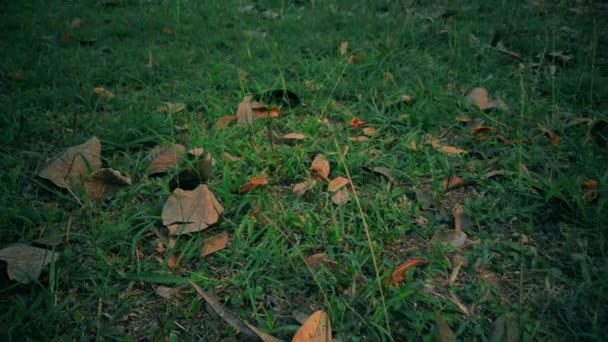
pixel 399 273
pixel 24 263
pixel 191 211
pixel 164 158
pixel 317 328
pixel 240 325
pixel 453 237
pixel 215 243
pixel 337 184
pixel 457 212
pixel 103 92
pixel 294 136
pixel 320 166
pixel 453 183
pixel 105 183
pixel 225 120
pixel 355 123
pixel 341 196
pixel 254 182
pixel 74 164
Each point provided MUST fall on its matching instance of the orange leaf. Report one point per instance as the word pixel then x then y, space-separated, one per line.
pixel 399 273
pixel 452 183
pixel 294 136
pixel 215 243
pixel 275 112
pixel 222 122
pixel 337 184
pixel 590 183
pixel 356 123
pixel 479 98
pixel 317 328
pixel 173 261
pixel 484 129
pixel 259 180
pixel 320 166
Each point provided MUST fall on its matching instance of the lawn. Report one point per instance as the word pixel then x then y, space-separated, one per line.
pixel 410 171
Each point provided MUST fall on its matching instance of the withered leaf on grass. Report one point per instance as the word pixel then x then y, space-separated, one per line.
pixel 103 92
pixel 479 97
pixel 224 121
pixel 590 191
pixel 253 183
pixel 452 183
pixel 244 113
pixel 240 325
pixel 355 123
pixel 105 183
pixel 301 188
pixel 24 263
pixel 555 139
pixel 215 243
pixel 444 148
pixel 343 48
pixel 317 328
pixel 170 107
pixel 164 158
pixel 454 237
pixel 337 184
pixel 399 273
pixel 384 171
pixel 191 211
pixel 170 292
pixel 320 166
pixel 316 259
pixel 294 136
pixel 73 165
pixel 341 196
pixel 443 329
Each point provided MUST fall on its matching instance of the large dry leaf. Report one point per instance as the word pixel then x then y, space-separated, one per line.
pixel 317 328
pixel 164 158
pixel 244 113
pixel 73 165
pixel 215 243
pixel 24 263
pixel 453 183
pixel 105 183
pixel 191 211
pixel 320 166
pixel 248 330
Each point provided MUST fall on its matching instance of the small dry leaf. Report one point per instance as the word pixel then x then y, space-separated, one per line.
pixel 24 263
pixel 67 37
pixel 421 220
pixel 169 292
pixel 231 157
pixel 355 123
pixel 224 121
pixel 412 145
pixel 73 165
pixel 444 148
pixel 343 48
pixel 294 136
pixel 244 113
pixel 369 131
pixel 454 237
pixel 406 99
pixel 479 98
pixel 386 172
pixel 466 118
pixel 320 166
pixel 452 183
pixel 317 328
pixel 316 259
pixel 483 129
pixel 360 138
pixel 301 188
pixel 103 92
pixel 215 243
pixel 555 139
pixel 105 183
pixel 15 75
pixel 76 22
pixel 341 196
pixel 191 211
pixel 399 273
pixel 590 191
pixel 457 213
pixel 164 158
pixel 173 261
pixel 337 184
pixel 170 107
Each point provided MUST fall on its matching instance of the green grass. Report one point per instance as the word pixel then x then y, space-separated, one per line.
pixel 539 264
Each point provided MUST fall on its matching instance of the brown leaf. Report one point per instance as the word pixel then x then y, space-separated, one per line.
pixel 369 131
pixel 315 259
pixel 399 272
pixel 103 92
pixel 341 196
pixel 337 184
pixel 169 292
pixel 244 113
pixel 317 328
pixel 360 138
pixel 443 329
pixel 590 191
pixel 24 263
pixel 343 48
pixel 231 157
pixel 191 211
pixel 294 136
pixel 479 98
pixel 225 120
pixel 453 237
pixel 483 129
pixel 74 164
pixel 240 325
pixel 170 107
pixel 320 166
pixel 386 172
pixel 173 261
pixel 105 183
pixel 301 188
pixel 457 212
pixel 452 183
pixel 254 182
pixel 164 158
pixel 215 243
pixel 355 123
pixel 444 148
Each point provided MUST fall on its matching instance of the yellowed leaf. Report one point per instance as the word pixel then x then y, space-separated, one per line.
pixel 317 328
pixel 164 158
pixel 191 211
pixel 24 263
pixel 74 164
pixel 337 184
pixel 215 243
pixel 320 166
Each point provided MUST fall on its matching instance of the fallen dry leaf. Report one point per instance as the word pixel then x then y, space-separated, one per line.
pixel 254 182
pixel 483 129
pixel 103 92
pixel 320 166
pixel 191 211
pixel 215 243
pixel 24 263
pixel 301 188
pixel 164 158
pixel 240 325
pixel 341 196
pixel 169 292
pixel 453 237
pixel 452 183
pixel 67 37
pixel 590 190
pixel 337 184
pixel 317 328
pixel 173 261
pixel 555 139
pixel 360 138
pixel 294 136
pixel 369 131
pixel 443 329
pixel 224 121
pixel 76 23
pixel 74 165
pixel 316 259
pixel 479 98
pixel 166 30
pixel 343 48
pixel 457 213
pixel 105 183
pixel 386 172
pixel 170 107
pixel 231 157
pixel 399 273
pixel 244 112
pixel 355 123
pixel 444 148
